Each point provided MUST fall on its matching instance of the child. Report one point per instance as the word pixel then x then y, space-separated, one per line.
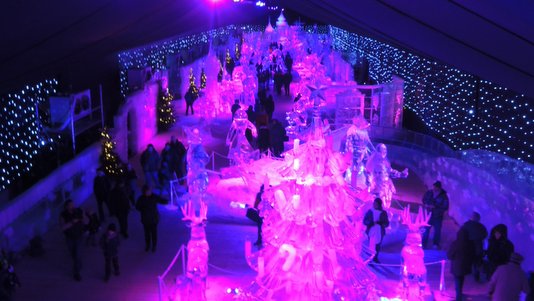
pixel 110 245
pixel 92 227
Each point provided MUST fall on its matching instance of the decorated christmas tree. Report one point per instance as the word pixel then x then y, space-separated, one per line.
pixel 203 79
pixel 237 51
pixel 312 229
pixel 230 64
pixel 192 84
pixel 166 114
pixel 109 159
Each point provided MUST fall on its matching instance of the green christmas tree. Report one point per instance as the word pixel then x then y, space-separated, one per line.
pixel 237 51
pixel 109 159
pixel 192 84
pixel 203 79
pixel 166 114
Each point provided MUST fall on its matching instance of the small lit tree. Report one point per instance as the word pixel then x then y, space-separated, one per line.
pixel 166 114
pixel 237 51
pixel 192 84
pixel 109 159
pixel 230 64
pixel 203 79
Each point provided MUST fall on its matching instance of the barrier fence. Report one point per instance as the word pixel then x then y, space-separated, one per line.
pixel 168 289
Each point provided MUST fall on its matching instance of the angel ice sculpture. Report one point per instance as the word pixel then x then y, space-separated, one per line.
pixel 413 266
pixel 380 174
pixel 197 158
pixel 240 149
pixel 357 144
pixel 197 250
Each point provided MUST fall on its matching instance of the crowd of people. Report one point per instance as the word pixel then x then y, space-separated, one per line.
pixel 469 253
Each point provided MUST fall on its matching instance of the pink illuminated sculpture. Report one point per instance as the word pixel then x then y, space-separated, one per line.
pixel 312 229
pixel 197 158
pixel 380 174
pixel 240 149
pixel 357 144
pixel 197 251
pixel 413 266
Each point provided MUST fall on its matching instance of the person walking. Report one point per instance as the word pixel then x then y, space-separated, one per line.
pixel 500 248
pixel 437 201
pixel 150 161
pixel 254 215
pixel 147 205
pixel 178 149
pixel 72 224
pixel 121 198
pixel 101 189
pixel 477 233
pixel 376 220
pixel 190 98
pixel 509 280
pixel 109 242
pixel 461 253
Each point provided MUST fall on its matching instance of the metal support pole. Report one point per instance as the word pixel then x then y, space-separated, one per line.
pixel 101 106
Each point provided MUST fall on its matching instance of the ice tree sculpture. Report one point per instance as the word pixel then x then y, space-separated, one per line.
pixel 197 158
pixel 240 149
pixel 413 265
pixel 197 251
pixel 380 174
pixel 357 145
pixel 313 229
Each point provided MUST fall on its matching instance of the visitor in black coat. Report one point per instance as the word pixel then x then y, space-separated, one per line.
pixel 263 136
pixel 147 205
pixel 150 161
pixel 251 115
pixel 179 151
pixel 269 106
pixel 121 199
pixel 500 248
pixel 72 223
pixel 109 242
pixel 235 107
pixel 477 233
pixel 101 189
pixel 437 201
pixel 461 254
pixel 278 136
pixel 287 82
pixel 190 98
pixel 131 178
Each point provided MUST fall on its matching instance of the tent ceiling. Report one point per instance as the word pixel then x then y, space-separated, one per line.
pixel 491 39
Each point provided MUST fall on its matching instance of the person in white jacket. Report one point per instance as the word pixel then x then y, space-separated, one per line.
pixel 509 280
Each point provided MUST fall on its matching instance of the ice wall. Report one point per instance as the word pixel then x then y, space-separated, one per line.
pixel 472 188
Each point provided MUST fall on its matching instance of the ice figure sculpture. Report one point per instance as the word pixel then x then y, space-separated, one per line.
pixel 197 251
pixel 311 244
pixel 197 158
pixel 357 145
pixel 240 149
pixel 380 174
pixel 413 265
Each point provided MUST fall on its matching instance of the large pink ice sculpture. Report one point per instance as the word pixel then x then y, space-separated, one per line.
pixel 312 230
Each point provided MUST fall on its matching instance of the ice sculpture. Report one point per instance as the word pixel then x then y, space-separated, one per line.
pixel 197 158
pixel 240 149
pixel 380 174
pixel 413 266
pixel 357 145
pixel 197 251
pixel 311 246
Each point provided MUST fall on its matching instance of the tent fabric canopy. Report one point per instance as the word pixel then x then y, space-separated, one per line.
pixel 79 40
